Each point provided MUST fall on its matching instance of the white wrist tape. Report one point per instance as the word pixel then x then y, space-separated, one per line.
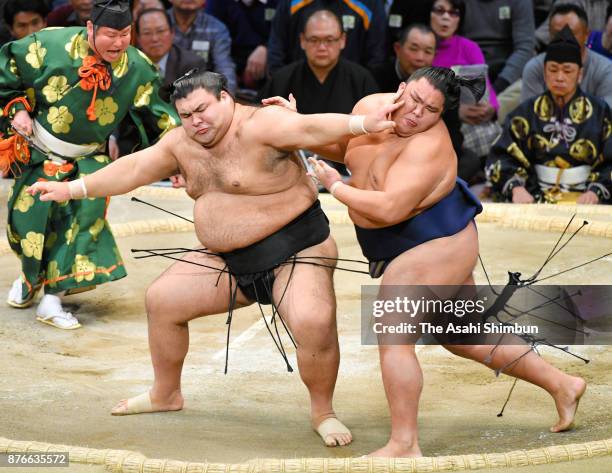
pixel 334 186
pixel 356 125
pixel 77 189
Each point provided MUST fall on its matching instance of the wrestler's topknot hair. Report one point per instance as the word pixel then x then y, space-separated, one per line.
pixel 449 84
pixel 212 82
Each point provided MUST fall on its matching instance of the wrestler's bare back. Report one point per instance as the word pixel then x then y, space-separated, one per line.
pixel 370 158
pixel 243 190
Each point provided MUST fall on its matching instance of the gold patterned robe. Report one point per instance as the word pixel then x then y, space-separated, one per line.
pixel 538 133
pixel 69 245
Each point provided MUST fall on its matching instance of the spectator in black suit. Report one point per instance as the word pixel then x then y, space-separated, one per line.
pixel 324 82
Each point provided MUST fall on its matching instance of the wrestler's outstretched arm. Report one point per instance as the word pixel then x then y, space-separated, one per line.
pixel 337 150
pixel 127 173
pixel 334 152
pixel 289 131
pixel 414 175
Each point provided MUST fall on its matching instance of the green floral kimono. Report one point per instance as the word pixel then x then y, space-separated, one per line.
pixel 69 245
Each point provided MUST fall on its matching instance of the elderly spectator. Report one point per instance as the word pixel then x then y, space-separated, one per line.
pixel 24 17
pixel 249 24
pixel 556 146
pixel 596 69
pixel 479 127
pixel 76 13
pixel 363 22
pixel 595 12
pixel 504 31
pixel 155 37
pixel 203 34
pixel 601 41
pixel 416 48
pixel 137 7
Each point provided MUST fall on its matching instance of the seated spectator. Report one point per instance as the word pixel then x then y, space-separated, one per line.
pixel 601 41
pixel 504 31
pixel 24 17
pixel 323 82
pixel 76 13
pixel 595 12
pixel 479 126
pixel 249 26
pixel 363 22
pixel 203 34
pixel 556 146
pixel 596 69
pixel 416 48
pixel 155 35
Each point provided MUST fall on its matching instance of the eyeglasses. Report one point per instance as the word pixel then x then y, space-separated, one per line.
pixel 327 42
pixel 150 34
pixel 440 11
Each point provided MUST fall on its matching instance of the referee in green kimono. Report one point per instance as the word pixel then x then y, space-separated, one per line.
pixel 63 91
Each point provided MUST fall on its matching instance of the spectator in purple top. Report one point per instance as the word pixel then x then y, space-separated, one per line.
pixel 601 41
pixel 479 129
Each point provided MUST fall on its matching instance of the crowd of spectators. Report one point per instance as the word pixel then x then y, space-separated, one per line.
pixel 331 53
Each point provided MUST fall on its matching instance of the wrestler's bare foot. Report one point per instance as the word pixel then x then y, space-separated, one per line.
pixel 566 399
pixel 149 402
pixel 395 449
pixel 333 432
